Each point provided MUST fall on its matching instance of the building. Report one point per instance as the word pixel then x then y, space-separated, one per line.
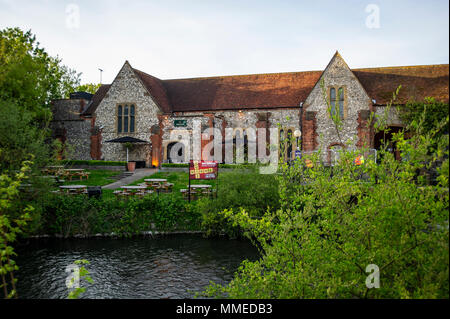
pixel 160 112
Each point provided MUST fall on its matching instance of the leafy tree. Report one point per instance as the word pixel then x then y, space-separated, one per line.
pixel 29 76
pixel 12 222
pixel 20 137
pixel 429 113
pixel 88 87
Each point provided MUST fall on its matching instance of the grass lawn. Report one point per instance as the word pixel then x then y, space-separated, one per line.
pixel 96 178
pixel 179 179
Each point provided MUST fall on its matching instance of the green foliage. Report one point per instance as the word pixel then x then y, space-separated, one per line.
pixel 30 77
pixel 12 223
pixel 19 137
pixel 333 223
pixel 429 113
pixel 250 190
pixel 78 215
pixel 92 163
pixel 83 276
pixel 88 87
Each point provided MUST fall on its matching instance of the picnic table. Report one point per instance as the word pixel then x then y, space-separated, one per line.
pixel 74 189
pixel 159 184
pixel 75 172
pixel 52 170
pixel 133 191
pixel 196 190
pixel 201 186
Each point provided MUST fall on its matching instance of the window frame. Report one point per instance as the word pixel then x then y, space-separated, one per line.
pixel 343 98
pixel 125 118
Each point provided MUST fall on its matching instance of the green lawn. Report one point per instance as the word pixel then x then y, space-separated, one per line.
pixel 179 179
pixel 96 178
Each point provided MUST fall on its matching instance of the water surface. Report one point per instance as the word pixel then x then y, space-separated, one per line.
pixel 174 266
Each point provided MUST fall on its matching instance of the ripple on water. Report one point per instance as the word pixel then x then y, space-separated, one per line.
pixel 174 266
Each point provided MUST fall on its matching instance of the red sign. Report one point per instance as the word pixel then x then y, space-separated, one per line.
pixel 203 169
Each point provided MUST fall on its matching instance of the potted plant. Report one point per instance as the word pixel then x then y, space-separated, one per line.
pixel 131 166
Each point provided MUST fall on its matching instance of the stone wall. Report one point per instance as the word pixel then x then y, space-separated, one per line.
pixel 71 129
pixel 238 120
pixel 126 88
pixel 316 116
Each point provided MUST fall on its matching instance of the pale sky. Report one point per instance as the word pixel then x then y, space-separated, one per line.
pixel 193 38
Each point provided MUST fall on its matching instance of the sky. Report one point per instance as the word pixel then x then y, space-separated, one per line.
pixel 173 39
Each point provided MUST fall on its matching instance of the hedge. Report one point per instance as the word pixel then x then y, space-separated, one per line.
pixel 220 165
pixel 93 163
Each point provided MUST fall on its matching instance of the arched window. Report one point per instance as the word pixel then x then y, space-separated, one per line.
pixel 175 152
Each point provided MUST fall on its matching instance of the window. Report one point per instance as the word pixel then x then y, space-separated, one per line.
pixel 339 99
pixel 341 102
pixel 126 118
pixel 333 100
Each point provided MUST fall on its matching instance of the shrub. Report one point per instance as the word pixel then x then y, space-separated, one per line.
pixel 250 190
pixel 92 163
pixel 78 215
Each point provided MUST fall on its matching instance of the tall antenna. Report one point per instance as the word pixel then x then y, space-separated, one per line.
pixel 100 75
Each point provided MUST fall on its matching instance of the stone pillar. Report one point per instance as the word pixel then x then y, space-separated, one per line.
pixel 155 139
pixel 309 134
pixel 365 132
pixel 96 141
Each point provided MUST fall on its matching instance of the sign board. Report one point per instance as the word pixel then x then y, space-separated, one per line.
pixel 203 169
pixel 298 154
pixel 180 123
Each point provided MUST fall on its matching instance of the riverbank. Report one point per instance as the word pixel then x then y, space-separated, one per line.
pixel 78 216
pixel 149 233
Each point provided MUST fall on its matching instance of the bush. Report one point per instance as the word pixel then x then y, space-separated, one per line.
pixel 186 165
pixel 78 215
pixel 254 192
pixel 334 224
pixel 92 163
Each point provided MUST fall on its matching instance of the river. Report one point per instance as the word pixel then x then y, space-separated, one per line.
pixel 170 266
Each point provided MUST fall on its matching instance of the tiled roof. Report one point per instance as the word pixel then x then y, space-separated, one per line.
pixel 276 90
pixel 241 91
pixel 417 82
pixel 156 89
pixel 96 99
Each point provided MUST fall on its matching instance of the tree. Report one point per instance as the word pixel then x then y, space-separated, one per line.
pixel 20 137
pixel 429 113
pixel 30 77
pixel 88 87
